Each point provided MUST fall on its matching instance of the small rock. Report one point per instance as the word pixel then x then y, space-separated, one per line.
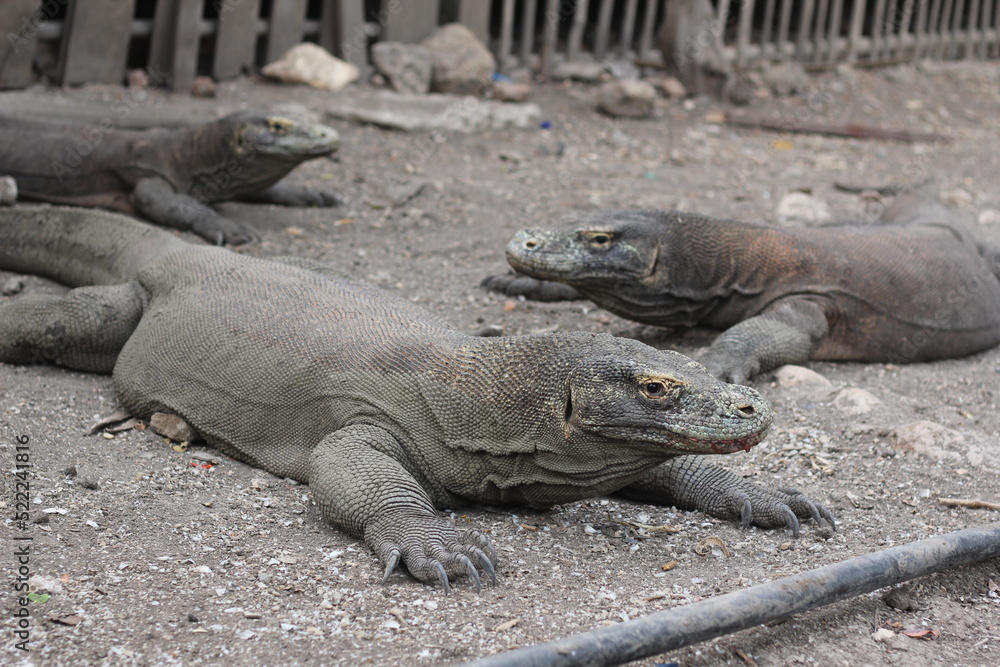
pixel 956 197
pixel 785 77
pixel 461 63
pixel 925 438
pixel 172 427
pixel 633 99
pixel 8 190
pixel 314 66
pixel 990 216
pixel 508 91
pixel 407 67
pixel 793 376
pixel 803 207
pixel 854 401
pixel 902 599
pixel 882 634
pixel 672 87
pixel 203 86
pixel 12 286
pixel 579 71
pixel 38 583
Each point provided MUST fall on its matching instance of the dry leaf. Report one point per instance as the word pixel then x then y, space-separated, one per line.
pixel 922 633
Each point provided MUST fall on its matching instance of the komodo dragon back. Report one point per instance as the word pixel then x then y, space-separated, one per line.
pixel 383 409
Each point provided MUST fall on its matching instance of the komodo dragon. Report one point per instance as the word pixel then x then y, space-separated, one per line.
pixel 384 410
pixel 914 288
pixel 170 176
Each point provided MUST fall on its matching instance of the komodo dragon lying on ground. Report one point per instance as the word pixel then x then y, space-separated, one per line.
pixel 383 409
pixel 170 176
pixel 914 288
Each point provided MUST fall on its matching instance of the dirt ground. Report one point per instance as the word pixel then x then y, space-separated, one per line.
pixel 158 561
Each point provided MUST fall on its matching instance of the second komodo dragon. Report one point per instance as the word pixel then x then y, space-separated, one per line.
pixel 170 176
pixel 914 286
pixel 383 409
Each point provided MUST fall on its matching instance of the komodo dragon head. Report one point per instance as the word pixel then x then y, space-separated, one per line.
pixel 279 138
pixel 658 401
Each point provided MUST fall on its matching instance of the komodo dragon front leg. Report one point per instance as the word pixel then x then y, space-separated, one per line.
pixel 691 483
pixel 157 200
pixel 786 332
pixel 359 482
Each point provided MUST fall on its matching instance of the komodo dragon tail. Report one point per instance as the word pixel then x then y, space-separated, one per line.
pixel 78 246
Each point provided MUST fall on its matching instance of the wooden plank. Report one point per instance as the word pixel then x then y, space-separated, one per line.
pixel 766 28
pixel 945 29
pixel 784 23
pixel 854 33
pixel 576 29
pixel 743 32
pixel 956 30
pixel 550 35
pixel 833 34
pixel 878 30
pixel 20 20
pixel 819 31
pixel 342 30
pixel 649 28
pixel 475 15
pixel 919 28
pixel 805 20
pixel 984 48
pixel 417 20
pixel 628 27
pixel 527 39
pixel 506 35
pixel 603 36
pixel 173 57
pixel 931 27
pixel 284 28
pixel 236 39
pixel 95 41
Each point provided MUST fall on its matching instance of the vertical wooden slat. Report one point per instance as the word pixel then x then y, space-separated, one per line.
pixel 944 29
pixel 819 31
pixel 628 26
pixel 475 15
pixel 933 25
pixel 95 41
pixel 906 28
pixel 805 20
pixel 236 40
pixel 417 20
pixel 603 36
pixel 974 29
pixel 527 39
pixel 984 47
pixel 854 33
pixel 920 29
pixel 891 42
pixel 878 30
pixel 648 27
pixel 19 20
pixel 956 29
pixel 550 34
pixel 506 35
pixel 833 33
pixel 766 28
pixel 342 30
pixel 743 32
pixel 783 24
pixel 576 30
pixel 284 28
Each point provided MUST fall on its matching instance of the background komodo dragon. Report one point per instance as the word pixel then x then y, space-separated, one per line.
pixel 383 409
pixel 916 287
pixel 170 176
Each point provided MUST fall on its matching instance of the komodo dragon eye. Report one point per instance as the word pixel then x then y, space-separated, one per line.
pixel 598 239
pixel 654 389
pixel 278 126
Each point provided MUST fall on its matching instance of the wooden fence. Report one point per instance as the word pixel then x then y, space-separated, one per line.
pixel 94 40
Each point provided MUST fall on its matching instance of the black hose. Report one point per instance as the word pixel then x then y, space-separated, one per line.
pixel 674 628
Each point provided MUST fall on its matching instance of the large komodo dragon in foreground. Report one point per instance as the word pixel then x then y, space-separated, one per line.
pixel 913 287
pixel 383 409
pixel 170 176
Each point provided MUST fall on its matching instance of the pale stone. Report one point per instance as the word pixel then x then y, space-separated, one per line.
pixel 314 66
pixel 804 207
pixel 989 216
pixel 579 71
pixel 420 113
pixel 633 99
pixel 407 67
pixel 925 438
pixel 794 376
pixel 172 427
pixel 8 190
pixel 461 63
pixel 855 402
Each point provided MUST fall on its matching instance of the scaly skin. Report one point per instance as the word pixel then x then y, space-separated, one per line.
pixel 170 176
pixel 385 411
pixel 913 288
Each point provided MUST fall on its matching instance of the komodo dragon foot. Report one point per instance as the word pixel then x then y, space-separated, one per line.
pixel 518 284
pixel 691 483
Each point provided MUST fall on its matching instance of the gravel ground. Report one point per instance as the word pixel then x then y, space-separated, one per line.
pixel 151 558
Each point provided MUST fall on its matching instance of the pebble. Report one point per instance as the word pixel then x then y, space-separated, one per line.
pixel 925 438
pixel 508 91
pixel 631 99
pixel 854 401
pixel 989 216
pixel 8 190
pixel 172 427
pixel 803 207
pixel 311 64
pixel 12 286
pixel 794 376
